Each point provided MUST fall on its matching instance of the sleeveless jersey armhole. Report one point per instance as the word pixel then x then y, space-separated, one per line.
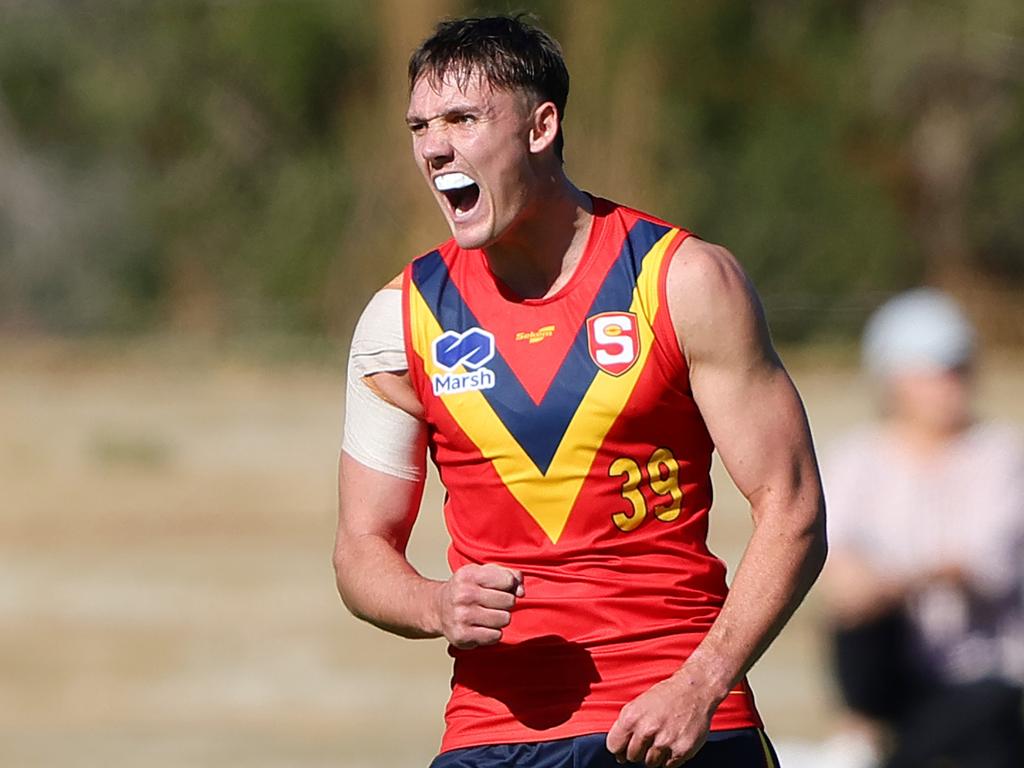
pixel 415 364
pixel 669 347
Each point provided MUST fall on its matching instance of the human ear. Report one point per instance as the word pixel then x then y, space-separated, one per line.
pixel 544 127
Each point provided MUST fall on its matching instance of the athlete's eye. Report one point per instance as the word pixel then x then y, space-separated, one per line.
pixel 417 128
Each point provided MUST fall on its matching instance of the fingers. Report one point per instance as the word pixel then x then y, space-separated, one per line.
pixel 638 746
pixel 498 577
pixel 650 752
pixel 652 742
pixel 472 625
pixel 646 751
pixel 618 738
pixel 676 757
pixel 487 618
pixel 488 586
pixel 657 756
pixel 493 598
pixel 476 637
pixel 478 626
pixel 477 604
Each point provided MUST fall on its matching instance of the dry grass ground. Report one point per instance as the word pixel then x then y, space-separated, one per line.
pixel 166 595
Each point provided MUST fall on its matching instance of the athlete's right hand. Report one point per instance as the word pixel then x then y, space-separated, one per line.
pixel 476 603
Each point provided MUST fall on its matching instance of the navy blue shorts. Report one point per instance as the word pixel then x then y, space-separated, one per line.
pixel 744 748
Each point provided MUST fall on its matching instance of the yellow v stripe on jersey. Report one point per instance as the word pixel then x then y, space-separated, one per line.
pixel 549 491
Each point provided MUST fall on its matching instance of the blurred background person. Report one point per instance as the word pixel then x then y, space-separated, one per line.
pixel 924 584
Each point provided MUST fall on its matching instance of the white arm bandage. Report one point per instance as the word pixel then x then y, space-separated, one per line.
pixel 378 434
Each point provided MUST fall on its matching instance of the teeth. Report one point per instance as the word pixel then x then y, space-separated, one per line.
pixel 449 181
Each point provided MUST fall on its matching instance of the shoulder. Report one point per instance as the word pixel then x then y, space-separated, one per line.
pixel 1006 437
pixel 379 333
pixel 699 266
pixel 997 442
pixel 377 356
pixel 711 300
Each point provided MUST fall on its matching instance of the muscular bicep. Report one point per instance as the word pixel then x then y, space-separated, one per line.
pixel 748 401
pixel 374 503
pixel 755 418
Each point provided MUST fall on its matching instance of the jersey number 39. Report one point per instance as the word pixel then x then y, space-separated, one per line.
pixel 663 479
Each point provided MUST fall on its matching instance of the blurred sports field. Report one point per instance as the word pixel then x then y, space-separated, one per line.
pixel 206 170
pixel 166 591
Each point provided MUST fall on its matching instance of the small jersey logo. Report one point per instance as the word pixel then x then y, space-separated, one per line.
pixel 613 341
pixel 471 351
pixel 534 337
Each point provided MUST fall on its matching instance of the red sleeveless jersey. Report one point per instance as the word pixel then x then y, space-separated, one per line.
pixel 568 440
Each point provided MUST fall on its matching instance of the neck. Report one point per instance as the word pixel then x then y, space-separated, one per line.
pixel 540 252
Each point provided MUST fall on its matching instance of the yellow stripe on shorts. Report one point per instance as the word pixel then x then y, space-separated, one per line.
pixel 769 761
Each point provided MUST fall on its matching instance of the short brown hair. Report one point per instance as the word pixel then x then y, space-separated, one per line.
pixel 507 51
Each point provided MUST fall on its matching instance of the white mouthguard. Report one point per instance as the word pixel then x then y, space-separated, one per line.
pixel 449 181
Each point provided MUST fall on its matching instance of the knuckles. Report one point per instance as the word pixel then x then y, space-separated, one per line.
pixel 464 638
pixel 646 729
pixel 630 716
pixel 467 573
pixel 464 594
pixel 663 742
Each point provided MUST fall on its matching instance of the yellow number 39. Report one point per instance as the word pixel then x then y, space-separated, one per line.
pixel 663 471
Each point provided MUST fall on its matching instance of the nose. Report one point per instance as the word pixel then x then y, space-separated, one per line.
pixel 435 147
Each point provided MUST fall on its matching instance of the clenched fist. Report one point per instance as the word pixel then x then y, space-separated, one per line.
pixel 476 603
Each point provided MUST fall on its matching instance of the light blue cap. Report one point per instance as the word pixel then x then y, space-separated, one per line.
pixel 922 330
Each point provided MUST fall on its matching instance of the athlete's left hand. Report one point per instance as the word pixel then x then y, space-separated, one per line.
pixel 666 725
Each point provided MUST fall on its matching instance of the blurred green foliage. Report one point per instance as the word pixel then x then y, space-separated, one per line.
pixel 226 167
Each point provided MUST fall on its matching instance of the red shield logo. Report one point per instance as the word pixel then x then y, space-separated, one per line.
pixel 613 341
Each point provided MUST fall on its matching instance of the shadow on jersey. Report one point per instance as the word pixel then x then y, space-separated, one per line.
pixel 542 681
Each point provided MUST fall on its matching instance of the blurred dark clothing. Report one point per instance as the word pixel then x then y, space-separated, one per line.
pixel 978 724
pixel 904 516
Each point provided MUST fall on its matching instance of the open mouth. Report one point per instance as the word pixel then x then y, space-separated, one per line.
pixel 461 192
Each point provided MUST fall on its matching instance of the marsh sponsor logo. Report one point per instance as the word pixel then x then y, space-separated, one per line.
pixel 471 350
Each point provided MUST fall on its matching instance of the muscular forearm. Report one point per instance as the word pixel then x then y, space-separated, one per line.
pixel 378 585
pixel 781 562
pixel 670 720
pixel 757 423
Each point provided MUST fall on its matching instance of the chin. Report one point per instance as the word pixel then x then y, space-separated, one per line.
pixel 471 238
pixel 471 243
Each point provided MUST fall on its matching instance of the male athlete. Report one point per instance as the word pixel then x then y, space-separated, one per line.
pixel 570 364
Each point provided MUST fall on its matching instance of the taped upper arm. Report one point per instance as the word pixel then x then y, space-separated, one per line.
pixel 380 431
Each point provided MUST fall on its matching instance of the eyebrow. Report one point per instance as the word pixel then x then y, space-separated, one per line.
pixel 459 109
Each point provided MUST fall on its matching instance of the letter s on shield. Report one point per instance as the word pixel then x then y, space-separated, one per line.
pixel 613 341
